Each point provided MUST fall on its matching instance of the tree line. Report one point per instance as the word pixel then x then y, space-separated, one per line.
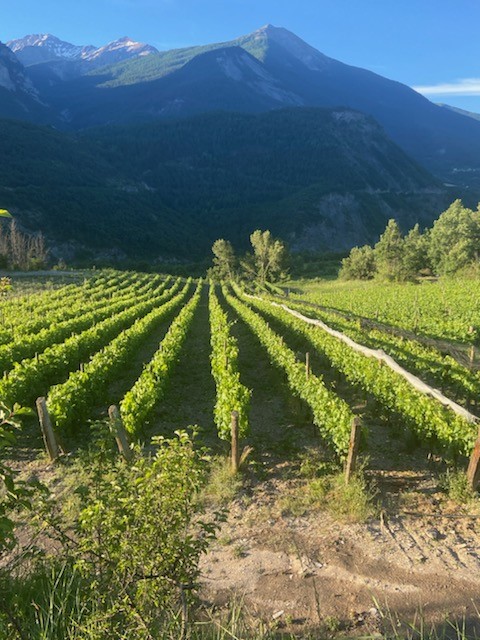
pixel 451 245
pixel 265 263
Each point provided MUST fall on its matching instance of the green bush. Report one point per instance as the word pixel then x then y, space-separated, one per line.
pixel 128 564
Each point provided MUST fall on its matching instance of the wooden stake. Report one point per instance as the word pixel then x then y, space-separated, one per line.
pixel 472 356
pixel 47 429
pixel 473 471
pixel 235 449
pixel 353 449
pixel 307 365
pixel 119 432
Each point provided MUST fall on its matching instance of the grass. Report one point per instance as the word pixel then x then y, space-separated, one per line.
pixel 223 485
pixel 52 603
pixel 395 628
pixel 349 503
pixel 455 485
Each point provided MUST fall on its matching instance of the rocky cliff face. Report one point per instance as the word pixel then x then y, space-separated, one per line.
pixel 13 77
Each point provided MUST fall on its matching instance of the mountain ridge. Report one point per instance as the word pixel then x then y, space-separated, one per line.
pixel 46 48
pixel 131 90
pixel 163 153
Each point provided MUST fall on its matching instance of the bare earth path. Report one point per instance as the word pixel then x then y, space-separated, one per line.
pixel 311 570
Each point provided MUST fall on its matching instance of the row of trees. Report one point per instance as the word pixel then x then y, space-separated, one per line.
pixel 265 263
pixel 19 250
pixel 451 245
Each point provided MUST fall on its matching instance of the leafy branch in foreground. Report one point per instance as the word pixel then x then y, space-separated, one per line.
pixel 13 493
pixel 129 543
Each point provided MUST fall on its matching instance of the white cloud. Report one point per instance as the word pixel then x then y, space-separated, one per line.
pixel 462 87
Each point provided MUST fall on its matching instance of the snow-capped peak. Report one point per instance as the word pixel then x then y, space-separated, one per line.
pixel 120 49
pixel 44 47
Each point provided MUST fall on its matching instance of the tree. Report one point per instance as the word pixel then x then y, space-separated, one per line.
pixel 359 265
pixel 455 239
pixel 415 253
pixel 20 250
pixel 268 261
pixel 224 261
pixel 389 253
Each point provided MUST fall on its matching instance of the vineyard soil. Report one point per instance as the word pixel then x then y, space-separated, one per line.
pixel 287 553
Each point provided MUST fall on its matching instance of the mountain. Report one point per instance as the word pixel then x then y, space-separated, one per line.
pixel 227 79
pixel 18 96
pixel 469 114
pixel 438 138
pixel 12 74
pixel 157 154
pixel 48 57
pixel 39 48
pixel 187 81
pixel 122 49
pixel 320 178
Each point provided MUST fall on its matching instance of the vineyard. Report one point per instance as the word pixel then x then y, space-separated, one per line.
pixel 72 343
pixel 448 310
pixel 171 352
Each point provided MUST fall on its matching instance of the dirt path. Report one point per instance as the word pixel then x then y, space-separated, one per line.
pixel 312 572
pixel 190 395
pixel 280 425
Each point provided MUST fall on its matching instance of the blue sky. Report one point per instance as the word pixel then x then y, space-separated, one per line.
pixel 429 44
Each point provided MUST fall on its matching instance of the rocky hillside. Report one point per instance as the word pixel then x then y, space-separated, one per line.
pixel 320 178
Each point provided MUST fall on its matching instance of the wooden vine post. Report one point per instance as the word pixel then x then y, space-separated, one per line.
pixel 48 433
pixel 353 449
pixel 473 471
pixel 119 432
pixel 307 365
pixel 235 447
pixel 471 357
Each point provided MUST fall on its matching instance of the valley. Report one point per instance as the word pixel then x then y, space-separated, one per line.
pixel 239 321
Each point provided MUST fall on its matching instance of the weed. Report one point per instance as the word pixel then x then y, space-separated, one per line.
pixel 352 502
pixel 312 466
pixel 225 540
pixel 455 485
pixel 332 624
pixel 239 551
pixel 408 499
pixel 222 485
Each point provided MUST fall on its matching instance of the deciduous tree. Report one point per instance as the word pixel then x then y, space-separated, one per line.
pixel 268 260
pixel 455 239
pixel 224 260
pixel 359 265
